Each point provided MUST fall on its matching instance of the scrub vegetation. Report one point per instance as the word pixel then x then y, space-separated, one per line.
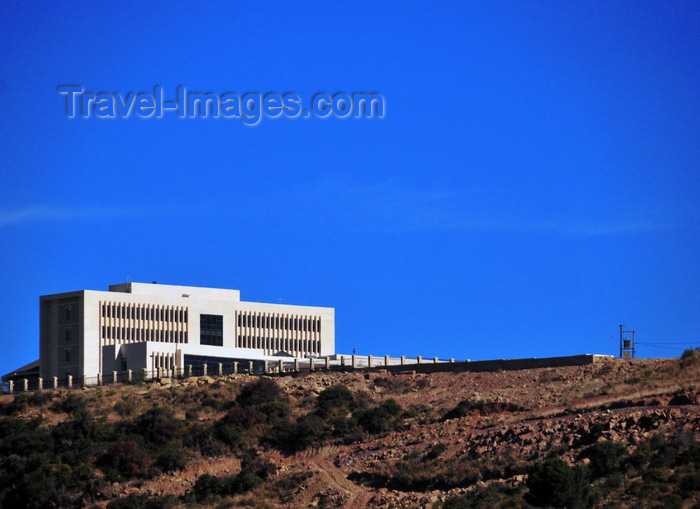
pixel 342 440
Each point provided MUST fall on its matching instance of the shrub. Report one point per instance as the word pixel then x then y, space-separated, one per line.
pixel 157 425
pixel 435 452
pixel 171 457
pixel 126 407
pixel 391 407
pixel 494 495
pixel 230 435
pixel 690 352
pixel 204 439
pixel 463 408
pixel 242 417
pixel 605 457
pixel 690 483
pixel 126 459
pixel 308 430
pixel 71 404
pixel 379 419
pixel 143 501
pixel 206 486
pixel 138 377
pixel 554 483
pixel 40 398
pixel 253 472
pixel 259 392
pixel 333 398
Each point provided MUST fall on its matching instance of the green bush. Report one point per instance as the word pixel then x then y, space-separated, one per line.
pixel 71 404
pixel 253 472
pixel 435 452
pixel 206 486
pixel 126 460
pixel 334 398
pixel 463 408
pixel 381 418
pixel 488 497
pixel 143 501
pixel 242 417
pixel 690 352
pixel 554 483
pixel 260 392
pixel 126 407
pixel 171 457
pixel 157 425
pixel 605 457
pixel 308 430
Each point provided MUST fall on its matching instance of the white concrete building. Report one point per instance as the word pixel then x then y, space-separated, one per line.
pixel 136 326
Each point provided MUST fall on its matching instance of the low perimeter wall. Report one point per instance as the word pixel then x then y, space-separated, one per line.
pixel 283 368
pixel 499 364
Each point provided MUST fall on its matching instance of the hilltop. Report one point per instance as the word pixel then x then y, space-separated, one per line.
pixel 616 433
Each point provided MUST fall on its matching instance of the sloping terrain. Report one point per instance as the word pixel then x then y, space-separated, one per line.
pixel 611 434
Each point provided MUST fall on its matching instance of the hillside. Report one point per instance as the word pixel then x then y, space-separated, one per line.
pixel 611 434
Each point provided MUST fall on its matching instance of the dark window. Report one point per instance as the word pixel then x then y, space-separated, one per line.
pixel 211 330
pixel 69 310
pixel 68 354
pixel 67 335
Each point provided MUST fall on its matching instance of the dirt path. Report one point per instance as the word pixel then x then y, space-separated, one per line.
pixel 322 462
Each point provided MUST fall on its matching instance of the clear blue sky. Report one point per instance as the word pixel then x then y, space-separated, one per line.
pixel 533 184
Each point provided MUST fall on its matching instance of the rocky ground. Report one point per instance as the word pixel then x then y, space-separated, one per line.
pixel 517 417
pixel 534 413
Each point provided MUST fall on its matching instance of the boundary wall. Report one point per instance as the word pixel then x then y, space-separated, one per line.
pixel 299 366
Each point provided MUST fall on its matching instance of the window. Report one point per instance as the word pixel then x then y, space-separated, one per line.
pixel 211 330
pixel 68 352
pixel 69 310
pixel 68 331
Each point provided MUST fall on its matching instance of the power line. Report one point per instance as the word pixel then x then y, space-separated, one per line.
pixel 666 347
pixel 671 343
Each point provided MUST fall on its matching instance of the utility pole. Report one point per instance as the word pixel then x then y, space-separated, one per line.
pixel 626 343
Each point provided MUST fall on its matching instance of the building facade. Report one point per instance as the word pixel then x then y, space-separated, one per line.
pixel 136 326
